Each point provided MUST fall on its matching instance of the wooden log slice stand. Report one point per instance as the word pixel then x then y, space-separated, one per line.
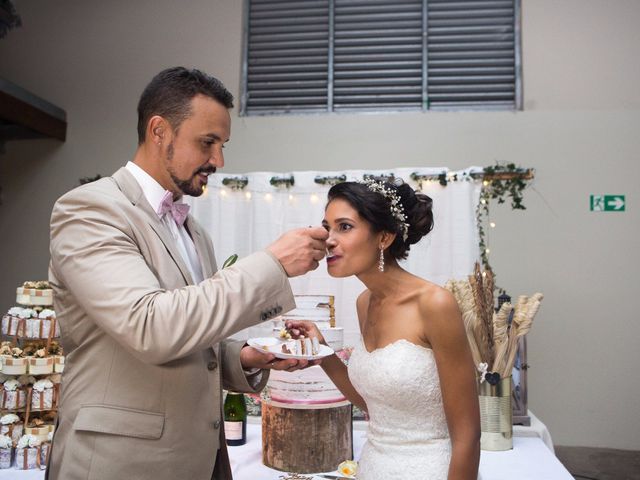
pixel 306 438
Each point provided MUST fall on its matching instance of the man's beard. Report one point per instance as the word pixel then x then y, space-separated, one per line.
pixel 185 186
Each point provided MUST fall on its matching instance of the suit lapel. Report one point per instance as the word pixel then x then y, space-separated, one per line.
pixel 200 240
pixel 131 189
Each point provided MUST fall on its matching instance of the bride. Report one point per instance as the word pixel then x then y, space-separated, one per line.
pixel 412 371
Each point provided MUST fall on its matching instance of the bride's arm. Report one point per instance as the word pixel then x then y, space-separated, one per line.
pixel 445 331
pixel 337 372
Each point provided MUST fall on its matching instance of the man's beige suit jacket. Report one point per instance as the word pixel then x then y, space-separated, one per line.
pixel 146 351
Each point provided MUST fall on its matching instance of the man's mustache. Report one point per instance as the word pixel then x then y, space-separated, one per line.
pixel 206 170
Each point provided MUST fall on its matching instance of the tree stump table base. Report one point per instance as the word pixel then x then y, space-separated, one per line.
pixel 306 438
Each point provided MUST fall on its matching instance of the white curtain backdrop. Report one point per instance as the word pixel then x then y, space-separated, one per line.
pixel 244 220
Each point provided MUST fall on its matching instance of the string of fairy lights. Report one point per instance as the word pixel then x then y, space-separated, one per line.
pixel 498 183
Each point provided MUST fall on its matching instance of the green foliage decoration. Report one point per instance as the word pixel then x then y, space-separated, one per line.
pixel 501 182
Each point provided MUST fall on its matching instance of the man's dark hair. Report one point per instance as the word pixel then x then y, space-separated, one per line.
pixel 170 92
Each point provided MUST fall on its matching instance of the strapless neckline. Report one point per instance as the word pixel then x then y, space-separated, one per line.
pixel 391 344
pixel 399 382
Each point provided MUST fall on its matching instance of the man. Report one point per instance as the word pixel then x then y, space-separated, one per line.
pixel 144 315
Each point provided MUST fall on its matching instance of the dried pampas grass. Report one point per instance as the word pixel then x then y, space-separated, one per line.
pixel 492 339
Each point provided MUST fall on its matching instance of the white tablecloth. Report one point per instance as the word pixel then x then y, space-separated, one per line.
pixel 532 457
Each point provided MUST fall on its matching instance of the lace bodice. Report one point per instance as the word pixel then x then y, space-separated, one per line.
pixel 408 435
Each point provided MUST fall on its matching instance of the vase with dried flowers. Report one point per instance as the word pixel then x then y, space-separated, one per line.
pixel 493 339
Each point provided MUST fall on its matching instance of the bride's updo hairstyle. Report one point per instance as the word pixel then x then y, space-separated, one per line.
pixel 377 209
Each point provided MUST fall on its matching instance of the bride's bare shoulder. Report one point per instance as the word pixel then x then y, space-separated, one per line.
pixel 437 302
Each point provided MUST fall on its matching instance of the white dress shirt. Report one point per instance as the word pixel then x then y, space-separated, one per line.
pixel 154 192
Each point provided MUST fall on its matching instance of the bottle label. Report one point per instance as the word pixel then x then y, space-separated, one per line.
pixel 233 430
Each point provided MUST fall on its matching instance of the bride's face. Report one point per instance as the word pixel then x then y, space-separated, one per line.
pixel 352 246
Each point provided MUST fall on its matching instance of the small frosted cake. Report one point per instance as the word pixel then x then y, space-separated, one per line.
pixel 12 426
pixel 13 396
pixel 28 453
pixel 35 293
pixel 310 386
pixel 13 359
pixel 42 395
pixel 6 449
pixel 315 308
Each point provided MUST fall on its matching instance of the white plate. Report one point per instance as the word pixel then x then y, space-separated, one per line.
pixel 274 346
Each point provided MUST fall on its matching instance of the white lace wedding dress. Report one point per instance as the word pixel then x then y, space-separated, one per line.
pixel 408 435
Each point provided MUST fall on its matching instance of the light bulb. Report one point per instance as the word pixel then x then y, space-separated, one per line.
pixel 248 195
pixel 492 224
pixel 268 197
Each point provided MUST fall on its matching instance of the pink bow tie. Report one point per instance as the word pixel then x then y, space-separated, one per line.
pixel 179 211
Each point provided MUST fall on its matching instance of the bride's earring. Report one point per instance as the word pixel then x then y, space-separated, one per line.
pixel 381 260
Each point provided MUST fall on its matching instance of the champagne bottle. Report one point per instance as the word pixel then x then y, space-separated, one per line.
pixel 235 419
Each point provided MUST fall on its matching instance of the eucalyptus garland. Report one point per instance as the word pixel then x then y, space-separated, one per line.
pixel 501 182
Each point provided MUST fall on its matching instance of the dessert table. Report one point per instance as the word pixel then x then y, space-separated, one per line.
pixel 532 457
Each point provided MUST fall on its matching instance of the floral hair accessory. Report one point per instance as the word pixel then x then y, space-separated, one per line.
pixel 397 209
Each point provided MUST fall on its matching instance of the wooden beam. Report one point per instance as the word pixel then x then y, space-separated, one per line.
pixel 23 109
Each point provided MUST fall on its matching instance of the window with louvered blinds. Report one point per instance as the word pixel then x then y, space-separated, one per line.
pixel 380 55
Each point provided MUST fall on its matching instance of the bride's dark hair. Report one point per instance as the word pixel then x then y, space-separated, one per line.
pixel 375 208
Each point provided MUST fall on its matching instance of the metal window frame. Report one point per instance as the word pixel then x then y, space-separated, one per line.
pixel 425 106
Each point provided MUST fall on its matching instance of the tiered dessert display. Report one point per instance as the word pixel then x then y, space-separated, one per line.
pixel 306 421
pixel 31 361
pixel 310 386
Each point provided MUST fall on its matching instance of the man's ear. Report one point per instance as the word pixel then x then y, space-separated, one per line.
pixel 157 129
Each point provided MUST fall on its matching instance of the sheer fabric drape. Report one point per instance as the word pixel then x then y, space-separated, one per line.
pixel 245 220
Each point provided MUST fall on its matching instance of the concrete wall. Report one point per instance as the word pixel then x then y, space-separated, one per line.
pixel 579 130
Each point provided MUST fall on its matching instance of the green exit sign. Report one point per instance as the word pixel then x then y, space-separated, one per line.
pixel 607 203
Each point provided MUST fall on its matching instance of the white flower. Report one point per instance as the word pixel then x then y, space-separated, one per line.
pixel 41 385
pixel 15 311
pixel 482 368
pixel 9 418
pixel 27 313
pixel 47 313
pixel 5 441
pixel 348 468
pixel 27 441
pixel 11 385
